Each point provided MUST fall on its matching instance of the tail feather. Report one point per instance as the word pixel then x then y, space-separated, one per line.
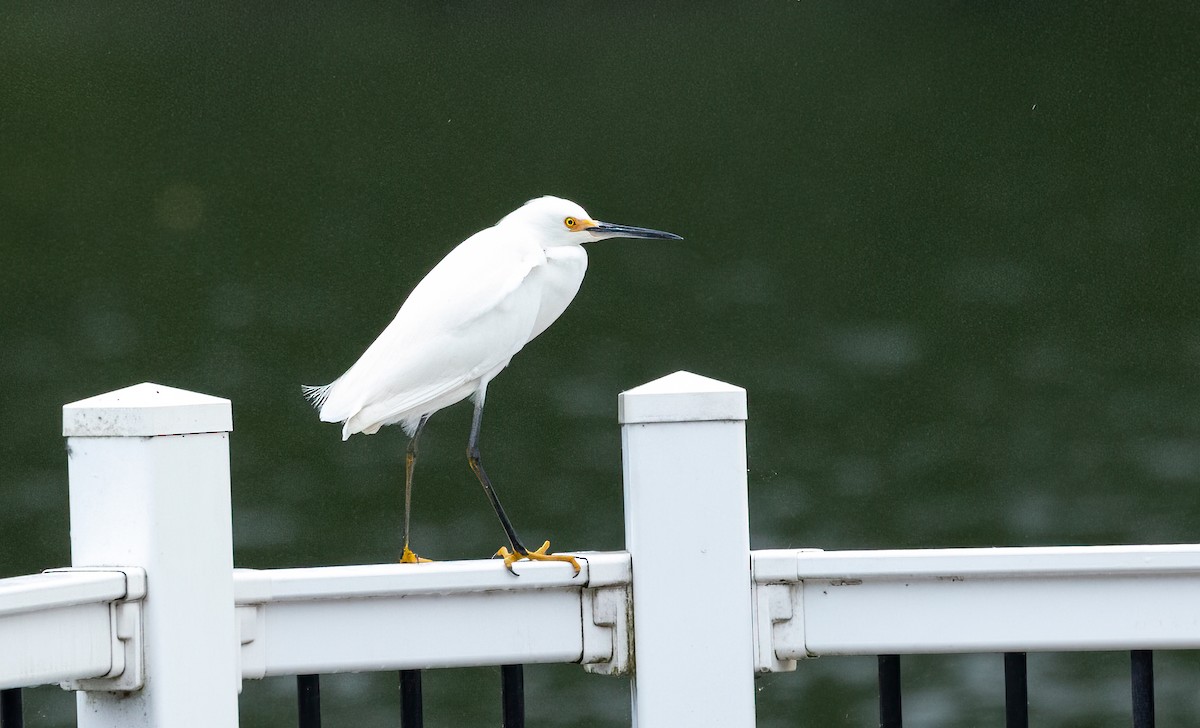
pixel 316 395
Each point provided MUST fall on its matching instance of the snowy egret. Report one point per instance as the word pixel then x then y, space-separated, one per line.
pixel 461 326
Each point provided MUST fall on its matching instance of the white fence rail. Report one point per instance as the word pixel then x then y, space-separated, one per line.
pixel 397 617
pixel 154 627
pixel 978 600
pixel 66 626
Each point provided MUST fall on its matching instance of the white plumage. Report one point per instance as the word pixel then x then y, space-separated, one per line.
pixel 463 323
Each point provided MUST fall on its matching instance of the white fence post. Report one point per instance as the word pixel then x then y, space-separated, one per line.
pixel 149 485
pixel 687 528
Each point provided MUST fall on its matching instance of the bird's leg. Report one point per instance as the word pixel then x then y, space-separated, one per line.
pixel 410 459
pixel 473 458
pixel 518 549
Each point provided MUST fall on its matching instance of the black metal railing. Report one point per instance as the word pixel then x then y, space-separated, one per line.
pixel 412 714
pixel 308 697
pixel 11 709
pixel 1141 673
pixel 512 696
pixel 512 690
pixel 512 699
pixel 1016 690
pixel 889 691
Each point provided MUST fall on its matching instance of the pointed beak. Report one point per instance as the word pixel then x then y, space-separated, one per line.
pixel 602 230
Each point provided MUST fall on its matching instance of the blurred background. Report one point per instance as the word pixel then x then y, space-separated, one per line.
pixel 951 249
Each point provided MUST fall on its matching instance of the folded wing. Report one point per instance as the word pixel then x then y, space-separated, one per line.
pixel 461 325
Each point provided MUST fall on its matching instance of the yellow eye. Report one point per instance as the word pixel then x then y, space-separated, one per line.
pixel 570 222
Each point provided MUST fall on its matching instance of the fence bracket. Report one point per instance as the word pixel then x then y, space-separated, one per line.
pixel 778 625
pixel 606 633
pixel 253 653
pixel 127 672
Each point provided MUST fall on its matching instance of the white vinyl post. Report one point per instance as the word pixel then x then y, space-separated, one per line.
pixel 149 487
pixel 687 529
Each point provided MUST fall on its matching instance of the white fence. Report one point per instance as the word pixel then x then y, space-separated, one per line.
pixel 154 627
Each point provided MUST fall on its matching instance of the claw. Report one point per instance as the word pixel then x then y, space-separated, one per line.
pixel 540 554
pixel 508 556
pixel 408 557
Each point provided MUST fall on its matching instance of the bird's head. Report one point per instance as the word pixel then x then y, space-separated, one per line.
pixel 561 222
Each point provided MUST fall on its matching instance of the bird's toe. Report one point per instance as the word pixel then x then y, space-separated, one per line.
pixel 408 557
pixel 539 554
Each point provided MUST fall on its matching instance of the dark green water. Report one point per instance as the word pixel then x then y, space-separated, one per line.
pixel 951 250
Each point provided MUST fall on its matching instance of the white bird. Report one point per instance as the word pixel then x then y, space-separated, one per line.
pixel 461 326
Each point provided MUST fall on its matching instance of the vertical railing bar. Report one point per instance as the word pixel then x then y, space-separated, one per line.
pixel 308 697
pixel 411 714
pixel 1141 677
pixel 512 689
pixel 1016 690
pixel 12 712
pixel 889 692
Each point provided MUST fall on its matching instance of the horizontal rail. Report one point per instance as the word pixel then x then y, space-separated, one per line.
pixel 61 626
pixel 77 626
pixel 441 614
pixel 977 600
pixel 790 565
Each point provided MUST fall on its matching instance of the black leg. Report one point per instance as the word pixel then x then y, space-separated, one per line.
pixel 477 467
pixel 410 459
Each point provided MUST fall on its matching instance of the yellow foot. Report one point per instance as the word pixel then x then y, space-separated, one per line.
pixel 408 557
pixel 511 557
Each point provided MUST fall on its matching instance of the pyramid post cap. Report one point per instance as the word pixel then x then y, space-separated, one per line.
pixel 147 410
pixel 681 397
